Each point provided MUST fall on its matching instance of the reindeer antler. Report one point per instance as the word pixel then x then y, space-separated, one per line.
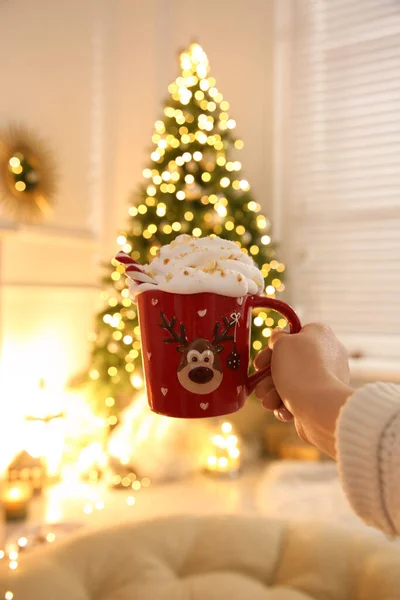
pixel 223 335
pixel 169 327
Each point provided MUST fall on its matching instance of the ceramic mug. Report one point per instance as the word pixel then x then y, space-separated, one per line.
pixel 196 350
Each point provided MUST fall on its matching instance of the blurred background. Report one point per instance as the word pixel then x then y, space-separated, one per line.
pixel 99 130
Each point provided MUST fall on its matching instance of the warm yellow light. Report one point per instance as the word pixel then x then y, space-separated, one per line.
pixel 223 462
pixel 229 225
pixel 133 211
pixel 257 345
pixel 258 321
pixel 20 186
pixel 225 181
pixel 270 290
pixel 130 501
pixel 94 374
pixel 254 250
pixel 127 339
pixel 137 381
pixel 180 195
pixel 9 595
pixel 13 564
pixel 142 209
pixel 226 427
pixel 14 162
pixel 244 185
pixel 234 452
pixel 152 228
pixel 167 229
pixel 266 332
pixel 240 230
pixel 109 401
pixel 212 461
pixel 206 176
pixel 155 156
pixel 201 137
pixel 176 226
pixel 219 441
pixel 197 155
pixel 265 239
pixel 197 232
pixel 221 210
pixel 112 371
pixel 239 144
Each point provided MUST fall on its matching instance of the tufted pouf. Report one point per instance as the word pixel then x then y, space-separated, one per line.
pixel 210 558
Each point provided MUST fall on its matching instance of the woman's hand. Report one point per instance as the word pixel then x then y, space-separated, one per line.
pixel 309 382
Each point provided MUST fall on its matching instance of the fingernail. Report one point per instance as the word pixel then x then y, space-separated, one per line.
pixel 282 414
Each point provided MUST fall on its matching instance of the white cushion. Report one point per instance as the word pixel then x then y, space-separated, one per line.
pixel 210 558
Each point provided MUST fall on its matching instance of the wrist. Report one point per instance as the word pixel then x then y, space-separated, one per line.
pixel 326 404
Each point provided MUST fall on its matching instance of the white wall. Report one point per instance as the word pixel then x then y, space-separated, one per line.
pixel 89 76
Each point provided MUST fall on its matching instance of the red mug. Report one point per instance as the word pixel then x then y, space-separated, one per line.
pixel 196 350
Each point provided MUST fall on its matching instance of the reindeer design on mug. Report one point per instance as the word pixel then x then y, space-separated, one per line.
pixel 200 370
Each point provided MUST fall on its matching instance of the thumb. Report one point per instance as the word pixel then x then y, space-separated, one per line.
pixel 276 335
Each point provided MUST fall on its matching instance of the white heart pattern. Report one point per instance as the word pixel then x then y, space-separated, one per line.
pixel 149 355
pixel 202 313
pixel 239 388
pixel 240 301
pixel 204 405
pixel 154 301
pixel 164 391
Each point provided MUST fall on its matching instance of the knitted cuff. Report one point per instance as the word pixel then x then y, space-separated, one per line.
pixel 359 431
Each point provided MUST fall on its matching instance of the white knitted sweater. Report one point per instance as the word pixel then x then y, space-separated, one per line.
pixel 368 454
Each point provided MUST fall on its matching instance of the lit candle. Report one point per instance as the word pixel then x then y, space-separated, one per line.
pixel 15 498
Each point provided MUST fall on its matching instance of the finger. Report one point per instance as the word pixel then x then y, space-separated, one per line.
pixel 264 387
pixel 272 401
pixel 282 414
pixel 263 359
pixel 276 335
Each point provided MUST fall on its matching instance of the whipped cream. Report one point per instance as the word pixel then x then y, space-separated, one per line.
pixel 190 265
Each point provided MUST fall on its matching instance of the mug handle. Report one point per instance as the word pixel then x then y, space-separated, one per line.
pixel 294 323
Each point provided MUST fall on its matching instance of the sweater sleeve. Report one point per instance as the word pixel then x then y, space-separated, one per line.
pixel 368 454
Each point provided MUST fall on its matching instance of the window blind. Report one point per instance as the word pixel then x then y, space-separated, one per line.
pixel 344 148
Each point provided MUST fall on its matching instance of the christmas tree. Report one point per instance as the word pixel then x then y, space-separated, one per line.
pixel 192 185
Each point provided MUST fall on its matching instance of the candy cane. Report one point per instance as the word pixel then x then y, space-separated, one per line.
pixel 133 269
